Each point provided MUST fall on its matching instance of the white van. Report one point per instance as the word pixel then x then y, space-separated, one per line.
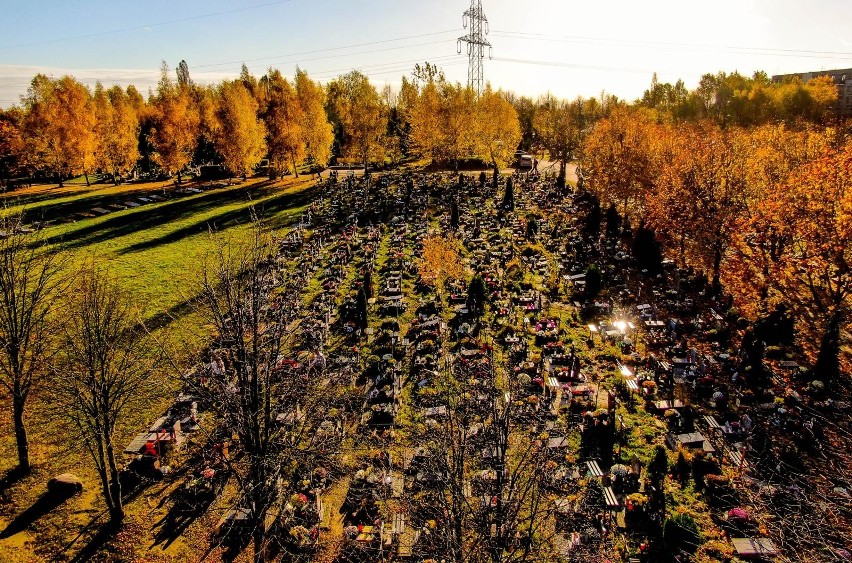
pixel 525 161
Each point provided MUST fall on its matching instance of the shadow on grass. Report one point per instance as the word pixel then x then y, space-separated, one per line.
pixel 80 202
pixel 11 477
pixel 175 312
pixel 144 217
pixel 268 208
pixel 45 504
pixel 105 534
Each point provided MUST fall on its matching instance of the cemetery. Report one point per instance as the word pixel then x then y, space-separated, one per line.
pixel 502 403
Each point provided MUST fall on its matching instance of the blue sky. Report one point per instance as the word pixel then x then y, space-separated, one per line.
pixel 563 46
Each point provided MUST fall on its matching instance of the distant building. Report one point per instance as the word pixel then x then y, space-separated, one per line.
pixel 842 79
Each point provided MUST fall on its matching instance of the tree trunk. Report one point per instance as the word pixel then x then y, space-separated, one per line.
pixel 827 366
pixel 86 174
pixel 61 180
pixel 717 265
pixel 116 512
pixel 259 555
pixel 178 177
pixel 295 170
pixel 21 440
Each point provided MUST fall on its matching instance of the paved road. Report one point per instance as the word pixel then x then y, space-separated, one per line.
pixel 544 166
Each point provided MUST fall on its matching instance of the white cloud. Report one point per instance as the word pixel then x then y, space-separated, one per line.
pixel 14 79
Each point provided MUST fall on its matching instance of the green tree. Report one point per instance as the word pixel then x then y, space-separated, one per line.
pixel 559 127
pixel 360 114
pixel 476 295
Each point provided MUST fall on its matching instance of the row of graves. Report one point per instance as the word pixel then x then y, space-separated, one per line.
pixel 373 526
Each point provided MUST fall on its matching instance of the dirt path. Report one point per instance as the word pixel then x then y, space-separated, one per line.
pixel 333 538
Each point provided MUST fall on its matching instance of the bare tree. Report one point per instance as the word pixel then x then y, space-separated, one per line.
pixel 273 400
pixel 29 280
pixel 488 469
pixel 100 371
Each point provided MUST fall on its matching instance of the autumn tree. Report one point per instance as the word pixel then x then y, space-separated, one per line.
pixel 458 115
pixel 60 126
pixel 359 112
pixel 699 193
pixel 30 283
pixel 498 131
pixel 101 372
pixel 798 242
pixel 12 146
pixel 317 133
pixel 440 261
pixel 427 133
pixel 240 137
pixel 117 131
pixel 284 118
pixel 617 159
pixel 176 124
pixel 770 153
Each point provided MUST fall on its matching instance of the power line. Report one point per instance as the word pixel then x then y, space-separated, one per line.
pixel 329 49
pixel 369 52
pixel 139 27
pixel 148 73
pixel 380 72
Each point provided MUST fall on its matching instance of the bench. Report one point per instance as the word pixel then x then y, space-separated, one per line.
pixel 735 457
pixel 594 469
pixel 714 425
pixel 612 502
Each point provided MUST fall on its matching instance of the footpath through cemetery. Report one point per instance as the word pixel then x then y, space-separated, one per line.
pixel 441 367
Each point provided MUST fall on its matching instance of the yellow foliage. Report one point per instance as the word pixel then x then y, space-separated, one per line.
pixel 241 135
pixel 176 125
pixel 440 260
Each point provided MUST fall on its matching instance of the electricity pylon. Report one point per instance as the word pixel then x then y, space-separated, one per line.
pixel 476 44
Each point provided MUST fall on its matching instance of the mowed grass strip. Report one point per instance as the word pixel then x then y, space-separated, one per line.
pixel 156 249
